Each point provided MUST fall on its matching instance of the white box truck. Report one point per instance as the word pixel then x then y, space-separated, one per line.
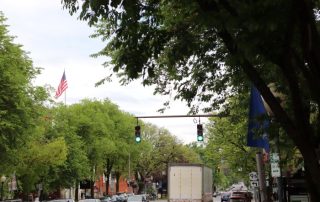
pixel 189 183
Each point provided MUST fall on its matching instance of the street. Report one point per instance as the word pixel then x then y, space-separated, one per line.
pixel 217 199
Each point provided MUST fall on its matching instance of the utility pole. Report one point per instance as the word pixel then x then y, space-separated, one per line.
pixel 279 179
pixel 129 166
pixel 129 170
pixel 261 177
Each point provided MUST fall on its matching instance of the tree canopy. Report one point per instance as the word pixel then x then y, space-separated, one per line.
pixel 206 50
pixel 18 97
pixel 57 146
pixel 227 151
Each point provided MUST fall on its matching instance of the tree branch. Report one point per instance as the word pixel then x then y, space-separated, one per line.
pixel 254 76
pixel 312 80
pixel 299 107
pixel 309 35
pixel 239 146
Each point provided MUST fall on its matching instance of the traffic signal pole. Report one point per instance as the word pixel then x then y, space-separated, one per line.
pixel 178 116
pixel 199 126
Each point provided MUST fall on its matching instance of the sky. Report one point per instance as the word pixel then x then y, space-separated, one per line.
pixel 57 42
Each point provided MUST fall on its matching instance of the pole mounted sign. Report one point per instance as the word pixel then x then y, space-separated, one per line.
pixel 275 168
pixel 253 177
pixel 275 157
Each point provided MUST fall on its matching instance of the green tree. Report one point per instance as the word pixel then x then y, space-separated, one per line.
pixel 76 166
pixel 24 148
pixel 180 45
pixel 19 99
pixel 37 158
pixel 93 127
pixel 227 149
pixel 104 132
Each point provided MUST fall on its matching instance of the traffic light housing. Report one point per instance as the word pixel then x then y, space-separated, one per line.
pixel 199 132
pixel 138 134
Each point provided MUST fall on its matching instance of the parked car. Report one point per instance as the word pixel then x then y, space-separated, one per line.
pixel 225 197
pixel 122 197
pixel 90 200
pixel 114 198
pixel 137 198
pixel 106 199
pixel 237 199
pixel 62 200
pixel 240 196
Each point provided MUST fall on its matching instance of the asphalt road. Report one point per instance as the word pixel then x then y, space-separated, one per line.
pixel 217 199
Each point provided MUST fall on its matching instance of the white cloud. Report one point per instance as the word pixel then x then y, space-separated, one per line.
pixel 58 41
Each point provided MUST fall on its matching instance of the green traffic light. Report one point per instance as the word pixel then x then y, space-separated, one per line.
pixel 138 133
pixel 199 132
pixel 200 138
pixel 138 139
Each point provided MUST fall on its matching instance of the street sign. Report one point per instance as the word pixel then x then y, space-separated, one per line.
pixel 254 183
pixel 275 157
pixel 253 176
pixel 275 170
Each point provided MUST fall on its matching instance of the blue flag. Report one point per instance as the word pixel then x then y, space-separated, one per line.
pixel 257 112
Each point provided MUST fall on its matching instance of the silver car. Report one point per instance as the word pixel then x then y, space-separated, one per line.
pixel 90 200
pixel 62 200
pixel 137 198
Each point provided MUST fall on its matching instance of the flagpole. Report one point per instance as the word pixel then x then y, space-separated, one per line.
pixel 65 97
pixel 65 92
pixel 257 109
pixel 261 177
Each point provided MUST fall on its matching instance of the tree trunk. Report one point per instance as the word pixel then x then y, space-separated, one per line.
pixel 76 192
pixel 312 171
pixel 92 188
pixel 107 182
pixel 107 174
pixel 140 181
pixel 117 173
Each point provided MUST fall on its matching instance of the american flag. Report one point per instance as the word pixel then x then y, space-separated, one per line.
pixel 63 85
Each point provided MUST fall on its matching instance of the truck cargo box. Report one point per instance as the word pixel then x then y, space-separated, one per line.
pixel 189 183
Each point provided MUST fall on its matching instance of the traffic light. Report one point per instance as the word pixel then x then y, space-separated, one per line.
pixel 138 134
pixel 199 132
